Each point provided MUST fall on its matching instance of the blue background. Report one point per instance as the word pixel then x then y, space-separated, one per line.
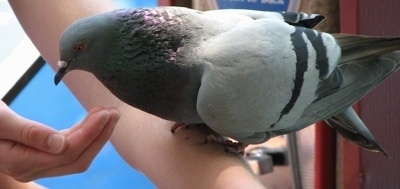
pixel 279 5
pixel 55 106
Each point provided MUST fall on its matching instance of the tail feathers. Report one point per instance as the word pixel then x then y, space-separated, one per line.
pixel 351 127
pixel 355 47
pixel 393 57
pixel 389 63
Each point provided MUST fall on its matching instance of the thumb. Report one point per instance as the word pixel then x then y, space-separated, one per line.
pixel 33 134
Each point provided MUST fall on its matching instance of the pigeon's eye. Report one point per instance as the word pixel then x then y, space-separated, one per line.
pixel 79 47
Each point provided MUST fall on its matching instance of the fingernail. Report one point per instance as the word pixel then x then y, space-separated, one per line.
pixel 56 143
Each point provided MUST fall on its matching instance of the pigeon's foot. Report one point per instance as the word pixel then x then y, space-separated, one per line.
pixel 177 126
pixel 230 146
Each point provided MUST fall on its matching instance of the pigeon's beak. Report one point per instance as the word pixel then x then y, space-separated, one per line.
pixel 62 70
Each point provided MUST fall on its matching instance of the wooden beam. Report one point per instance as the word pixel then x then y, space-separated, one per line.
pixel 165 2
pixel 350 165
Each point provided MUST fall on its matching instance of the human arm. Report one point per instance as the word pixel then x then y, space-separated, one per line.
pixel 143 140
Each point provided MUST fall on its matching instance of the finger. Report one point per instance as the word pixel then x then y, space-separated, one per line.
pixel 30 133
pixel 34 134
pixel 84 160
pixel 23 160
pixel 80 124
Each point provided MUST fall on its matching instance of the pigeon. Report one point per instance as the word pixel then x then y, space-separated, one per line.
pixel 248 75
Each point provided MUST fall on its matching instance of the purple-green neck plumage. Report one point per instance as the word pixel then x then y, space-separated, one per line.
pixel 147 68
pixel 151 34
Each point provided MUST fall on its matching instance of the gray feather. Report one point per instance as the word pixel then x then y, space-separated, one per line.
pixel 292 18
pixel 359 77
pixel 352 128
pixel 364 47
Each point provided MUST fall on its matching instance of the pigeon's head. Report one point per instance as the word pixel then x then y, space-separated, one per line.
pixel 85 45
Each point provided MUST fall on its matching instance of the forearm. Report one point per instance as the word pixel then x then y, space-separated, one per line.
pixel 179 160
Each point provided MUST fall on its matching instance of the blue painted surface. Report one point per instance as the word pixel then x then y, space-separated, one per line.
pixel 135 3
pixel 269 5
pixel 55 106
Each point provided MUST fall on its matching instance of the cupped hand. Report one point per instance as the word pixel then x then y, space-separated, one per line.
pixel 30 150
